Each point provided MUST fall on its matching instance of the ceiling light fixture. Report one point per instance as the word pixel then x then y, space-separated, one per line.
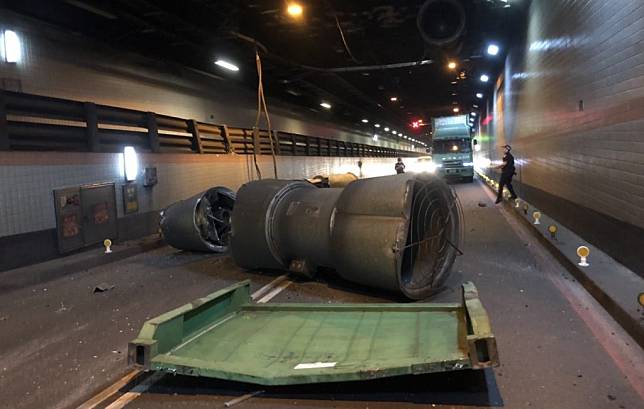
pixel 11 48
pixel 364 121
pixel 492 49
pixel 294 10
pixel 393 99
pixel 455 109
pixel 386 129
pixel 451 65
pixel 479 95
pixel 485 78
pixel 325 105
pixel 377 125
pixel 227 65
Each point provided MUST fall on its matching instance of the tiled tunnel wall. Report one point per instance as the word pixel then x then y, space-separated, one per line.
pixel 571 103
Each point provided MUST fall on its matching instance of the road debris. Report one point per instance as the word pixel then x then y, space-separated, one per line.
pixel 103 287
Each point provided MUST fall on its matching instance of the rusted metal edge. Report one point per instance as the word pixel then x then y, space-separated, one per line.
pixel 480 339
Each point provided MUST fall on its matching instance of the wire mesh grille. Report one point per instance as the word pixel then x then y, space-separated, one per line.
pixel 433 238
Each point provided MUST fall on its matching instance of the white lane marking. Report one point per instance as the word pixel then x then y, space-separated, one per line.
pixel 268 287
pixel 281 287
pixel 623 350
pixel 135 392
pixel 109 391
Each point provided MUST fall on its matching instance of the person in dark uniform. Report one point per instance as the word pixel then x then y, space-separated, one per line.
pixel 400 166
pixel 507 172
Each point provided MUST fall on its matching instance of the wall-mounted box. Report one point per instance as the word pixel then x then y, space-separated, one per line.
pixel 85 215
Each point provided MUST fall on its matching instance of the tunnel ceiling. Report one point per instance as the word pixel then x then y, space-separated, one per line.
pixel 305 59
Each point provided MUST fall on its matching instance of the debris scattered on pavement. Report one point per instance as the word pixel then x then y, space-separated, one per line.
pixel 102 287
pixel 242 398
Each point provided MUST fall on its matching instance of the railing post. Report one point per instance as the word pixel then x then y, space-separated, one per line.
pixel 293 145
pixel 91 128
pixel 153 132
pixel 228 145
pixel 308 146
pixel 4 134
pixel 256 142
pixel 276 141
pixel 193 128
pixel 328 147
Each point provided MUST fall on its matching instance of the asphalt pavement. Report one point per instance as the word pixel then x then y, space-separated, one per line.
pixel 61 342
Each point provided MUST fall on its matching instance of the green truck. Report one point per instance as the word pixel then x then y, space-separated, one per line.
pixel 452 148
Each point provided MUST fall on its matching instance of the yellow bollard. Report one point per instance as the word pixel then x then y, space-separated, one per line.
pixel 108 246
pixel 583 252
pixel 553 231
pixel 536 215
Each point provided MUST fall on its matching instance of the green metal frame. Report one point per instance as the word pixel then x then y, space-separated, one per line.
pixel 224 336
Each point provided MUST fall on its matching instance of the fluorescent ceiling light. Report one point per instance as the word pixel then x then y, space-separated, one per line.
pixel 325 105
pixel 492 49
pixel 131 163
pixel 485 78
pixel 11 48
pixel 227 65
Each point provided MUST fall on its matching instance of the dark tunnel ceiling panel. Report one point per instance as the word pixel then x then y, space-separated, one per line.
pixel 194 32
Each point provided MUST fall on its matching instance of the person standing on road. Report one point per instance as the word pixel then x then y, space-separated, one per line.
pixel 507 172
pixel 400 166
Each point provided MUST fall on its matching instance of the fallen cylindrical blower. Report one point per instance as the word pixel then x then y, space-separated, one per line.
pixel 200 223
pixel 399 233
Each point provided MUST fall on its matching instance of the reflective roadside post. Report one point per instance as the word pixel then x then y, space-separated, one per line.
pixel 517 203
pixel 536 215
pixel 583 252
pixel 525 209
pixel 553 231
pixel 108 246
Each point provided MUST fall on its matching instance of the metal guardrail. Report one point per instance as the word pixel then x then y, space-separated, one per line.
pixel 35 122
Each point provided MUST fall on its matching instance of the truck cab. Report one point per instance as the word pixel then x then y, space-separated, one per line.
pixel 452 148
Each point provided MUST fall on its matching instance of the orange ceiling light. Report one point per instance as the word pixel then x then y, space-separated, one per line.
pixel 294 9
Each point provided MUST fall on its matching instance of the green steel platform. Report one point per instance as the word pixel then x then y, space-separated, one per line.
pixel 224 336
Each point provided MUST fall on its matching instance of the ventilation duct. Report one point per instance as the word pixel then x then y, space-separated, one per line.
pixel 398 233
pixel 200 223
pixel 441 22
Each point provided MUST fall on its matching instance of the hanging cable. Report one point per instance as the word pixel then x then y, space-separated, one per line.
pixel 344 41
pixel 286 61
pixel 262 107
